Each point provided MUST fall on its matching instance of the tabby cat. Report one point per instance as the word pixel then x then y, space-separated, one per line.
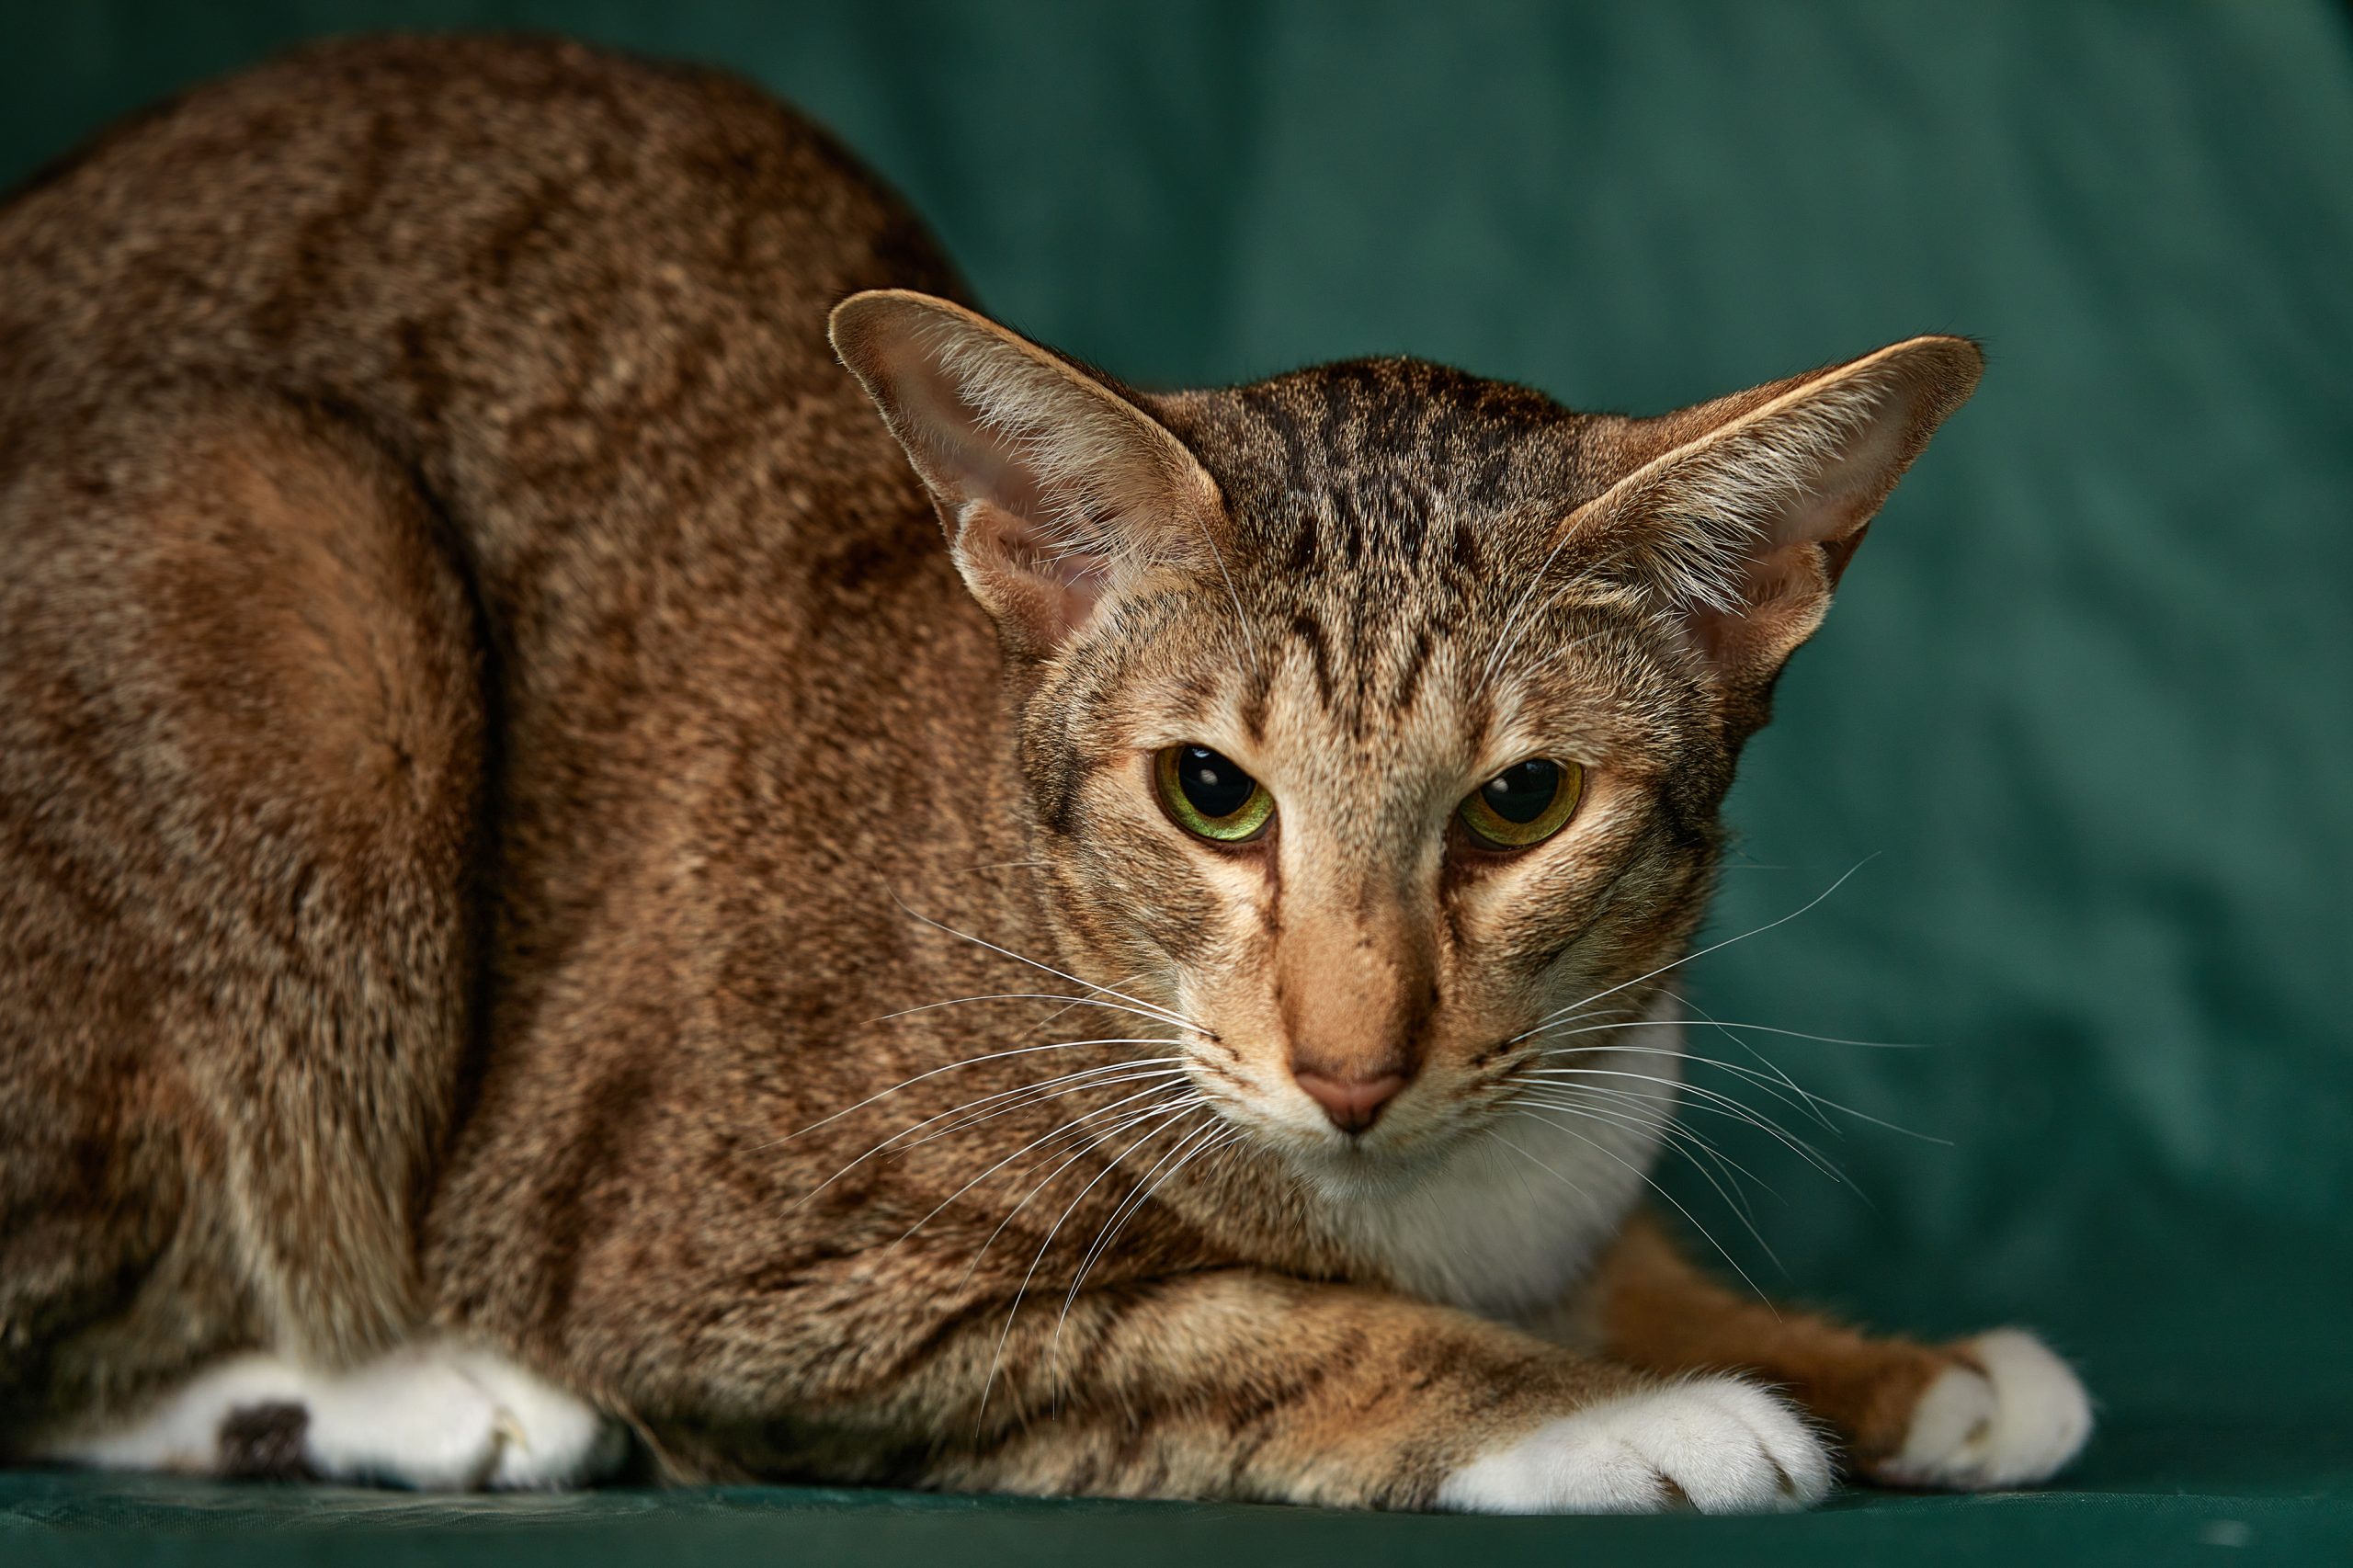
pixel 547 924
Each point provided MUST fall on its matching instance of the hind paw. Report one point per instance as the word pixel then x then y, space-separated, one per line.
pixel 431 1417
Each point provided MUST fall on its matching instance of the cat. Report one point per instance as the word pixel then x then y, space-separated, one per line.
pixel 626 830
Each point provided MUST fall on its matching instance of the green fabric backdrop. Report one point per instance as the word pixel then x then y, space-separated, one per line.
pixel 2088 698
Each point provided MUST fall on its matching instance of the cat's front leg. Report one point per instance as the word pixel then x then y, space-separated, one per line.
pixel 1993 1411
pixel 1243 1385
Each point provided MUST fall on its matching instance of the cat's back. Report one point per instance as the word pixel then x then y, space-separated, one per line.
pixel 560 282
pixel 431 514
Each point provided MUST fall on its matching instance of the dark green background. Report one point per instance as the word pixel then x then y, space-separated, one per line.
pixel 2087 698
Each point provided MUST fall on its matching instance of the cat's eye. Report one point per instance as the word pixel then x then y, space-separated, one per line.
pixel 1526 803
pixel 1208 796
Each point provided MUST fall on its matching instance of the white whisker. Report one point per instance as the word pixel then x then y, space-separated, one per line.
pixel 1562 1024
pixel 1658 1112
pixel 951 1067
pixel 1771 1083
pixel 1049 1017
pixel 1737 1114
pixel 1604 1150
pixel 1713 946
pixel 1064 1131
pixel 1728 1030
pixel 1731 1107
pixel 1773 1072
pixel 1052 1090
pixel 1145 1186
pixel 1154 1007
pixel 1517 605
pixel 1532 1160
pixel 1054 1229
pixel 1156 1016
pixel 1513 634
pixel 1163 1119
pixel 1659 1129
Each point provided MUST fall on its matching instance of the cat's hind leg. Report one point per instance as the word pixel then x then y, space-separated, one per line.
pixel 242 721
pixel 435 1417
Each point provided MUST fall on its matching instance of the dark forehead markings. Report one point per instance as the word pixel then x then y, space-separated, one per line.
pixel 1489 474
pixel 1194 692
pixel 1477 717
pixel 1382 501
pixel 1253 702
pixel 1305 543
pixel 1350 520
pixel 1409 683
pixel 1402 508
pixel 1275 412
pixel 1464 548
pixel 1339 387
pixel 1364 639
pixel 1308 629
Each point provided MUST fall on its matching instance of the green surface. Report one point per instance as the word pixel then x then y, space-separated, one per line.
pixel 2156 1495
pixel 2088 699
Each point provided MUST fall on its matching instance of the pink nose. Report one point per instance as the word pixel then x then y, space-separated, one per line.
pixel 1353 1104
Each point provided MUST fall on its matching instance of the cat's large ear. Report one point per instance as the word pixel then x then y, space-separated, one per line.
pixel 1055 490
pixel 1753 505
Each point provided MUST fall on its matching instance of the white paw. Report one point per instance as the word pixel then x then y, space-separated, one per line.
pixel 435 1417
pixel 411 1419
pixel 182 1431
pixel 554 1440
pixel 2014 1424
pixel 1718 1444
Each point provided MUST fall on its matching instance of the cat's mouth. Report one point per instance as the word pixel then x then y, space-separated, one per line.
pixel 1413 1127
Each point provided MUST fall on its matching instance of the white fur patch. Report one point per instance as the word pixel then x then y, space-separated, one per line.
pixel 1511 1220
pixel 1718 1444
pixel 182 1432
pixel 2015 1424
pixel 1503 1228
pixel 436 1417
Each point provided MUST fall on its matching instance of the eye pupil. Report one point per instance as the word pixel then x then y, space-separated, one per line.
pixel 1520 793
pixel 1212 784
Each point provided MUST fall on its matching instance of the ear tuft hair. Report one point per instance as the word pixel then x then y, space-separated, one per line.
pixel 1745 520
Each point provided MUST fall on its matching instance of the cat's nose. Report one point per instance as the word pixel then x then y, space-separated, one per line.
pixel 1353 1104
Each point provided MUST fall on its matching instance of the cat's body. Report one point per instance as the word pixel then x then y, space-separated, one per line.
pixel 489 731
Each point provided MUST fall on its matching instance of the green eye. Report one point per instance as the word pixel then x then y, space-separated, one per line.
pixel 1526 803
pixel 1210 797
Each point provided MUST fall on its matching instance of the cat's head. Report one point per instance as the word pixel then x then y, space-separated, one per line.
pixel 1375 715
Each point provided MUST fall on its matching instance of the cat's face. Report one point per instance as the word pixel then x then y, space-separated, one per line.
pixel 1474 789
pixel 1376 718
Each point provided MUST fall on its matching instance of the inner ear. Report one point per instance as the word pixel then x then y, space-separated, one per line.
pixel 1752 508
pixel 1025 575
pixel 1056 490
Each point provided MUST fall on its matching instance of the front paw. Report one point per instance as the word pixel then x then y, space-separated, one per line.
pixel 1715 1444
pixel 2011 1415
pixel 440 1417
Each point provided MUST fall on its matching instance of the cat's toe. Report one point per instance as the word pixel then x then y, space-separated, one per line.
pixel 413 1419
pixel 1718 1444
pixel 553 1439
pixel 2013 1414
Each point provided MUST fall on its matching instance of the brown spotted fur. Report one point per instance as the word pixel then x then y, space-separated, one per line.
pixel 485 721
